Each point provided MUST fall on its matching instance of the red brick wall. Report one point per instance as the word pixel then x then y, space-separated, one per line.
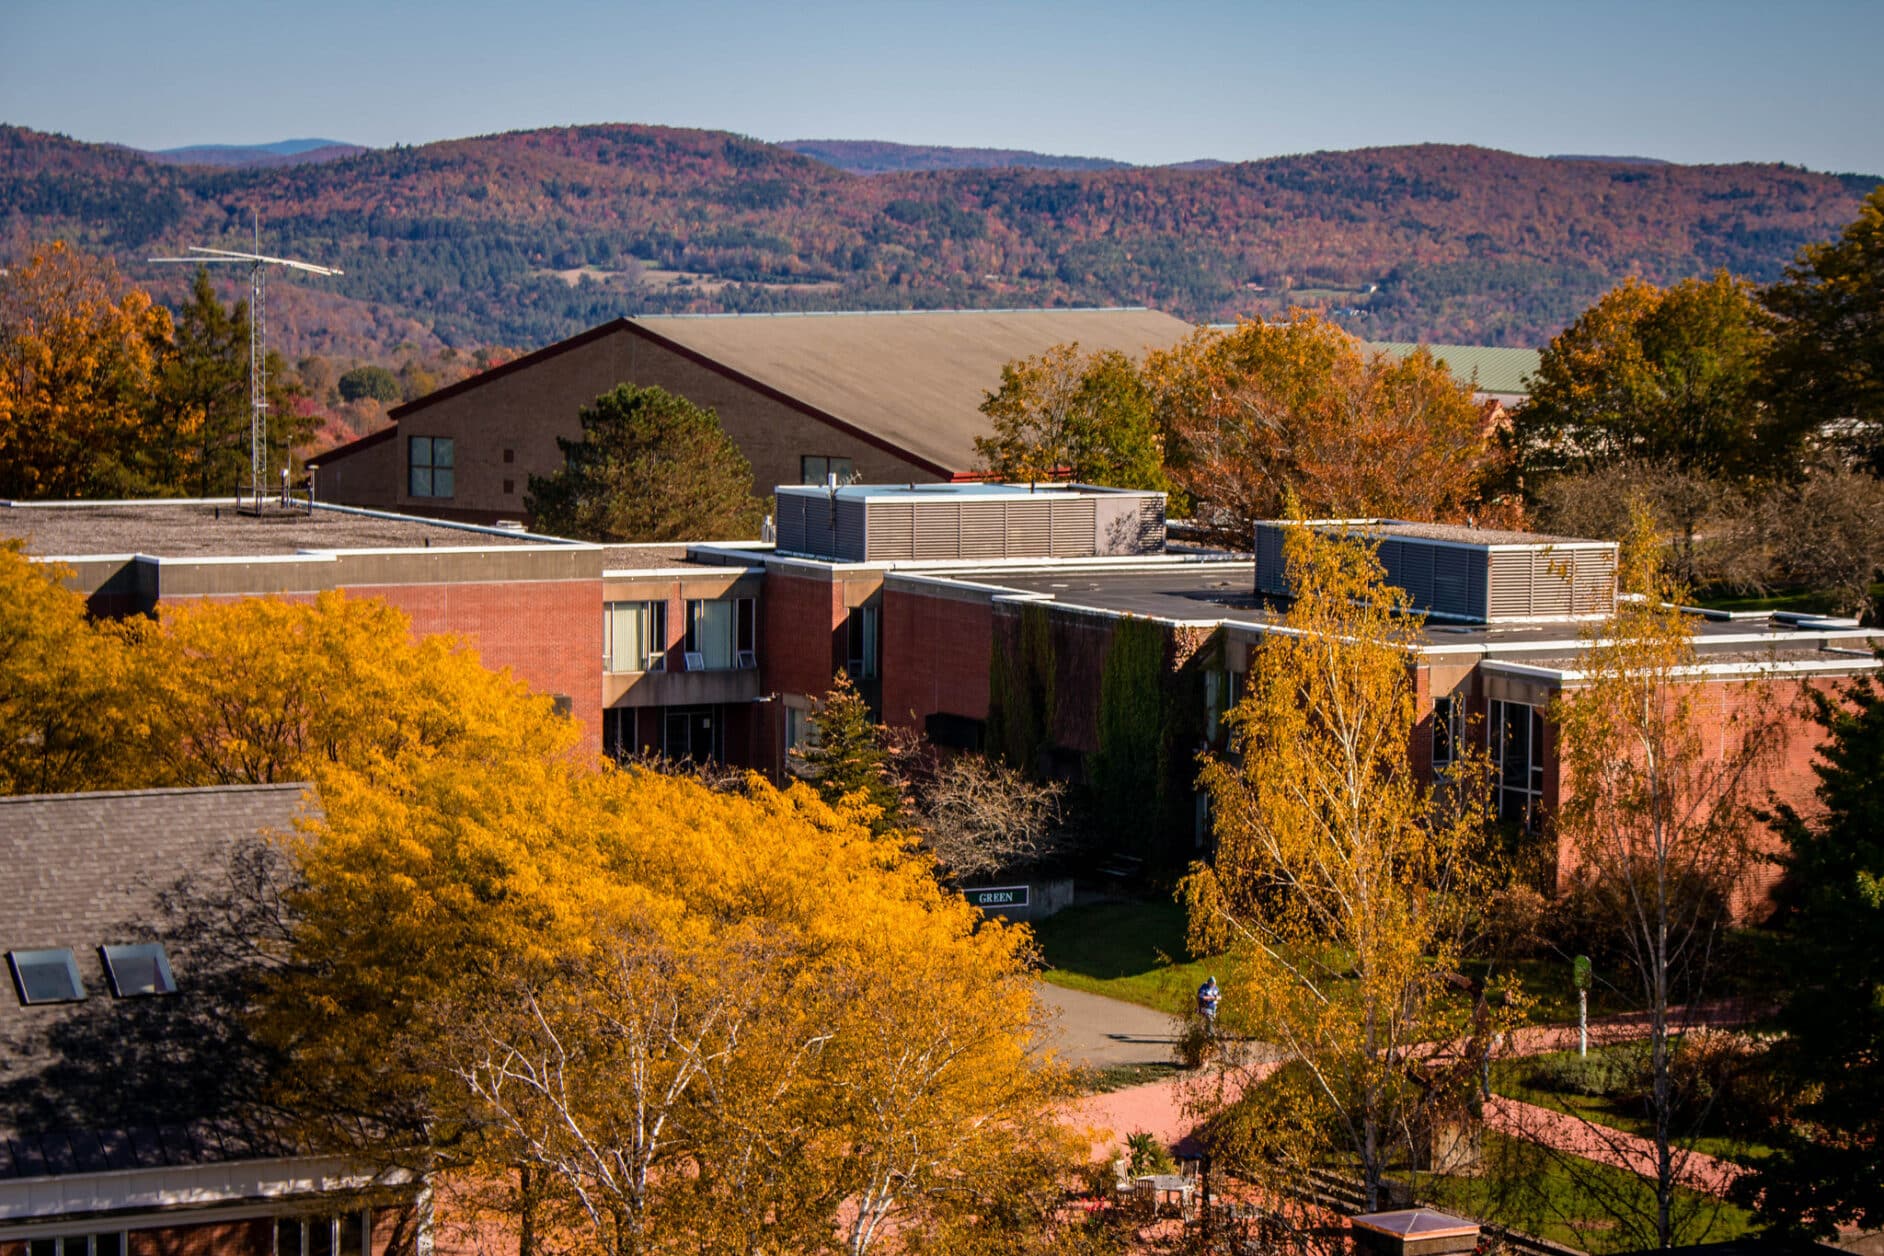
pixel 548 633
pixel 935 656
pixel 802 638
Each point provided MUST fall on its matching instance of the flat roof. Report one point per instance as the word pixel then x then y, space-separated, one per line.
pixel 1205 590
pixel 1449 533
pixel 972 488
pixel 216 528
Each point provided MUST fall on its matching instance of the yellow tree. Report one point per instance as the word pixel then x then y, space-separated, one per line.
pixel 700 1019
pixel 1261 411
pixel 78 355
pixel 265 689
pixel 1662 770
pixel 61 685
pixel 1343 886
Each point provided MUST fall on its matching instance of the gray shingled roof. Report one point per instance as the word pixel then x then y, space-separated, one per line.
pixel 122 1083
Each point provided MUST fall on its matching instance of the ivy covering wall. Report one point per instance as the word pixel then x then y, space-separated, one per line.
pixel 1020 689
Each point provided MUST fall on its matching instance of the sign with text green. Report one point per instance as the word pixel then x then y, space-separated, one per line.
pixel 995 897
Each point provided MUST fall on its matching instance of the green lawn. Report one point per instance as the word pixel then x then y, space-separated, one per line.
pixel 1575 1201
pixel 1129 951
pixel 1511 1079
pixel 1805 602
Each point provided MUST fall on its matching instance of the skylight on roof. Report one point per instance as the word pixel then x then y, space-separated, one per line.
pixel 138 969
pixel 46 976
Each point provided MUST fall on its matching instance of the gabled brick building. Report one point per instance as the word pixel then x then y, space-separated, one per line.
pixel 870 397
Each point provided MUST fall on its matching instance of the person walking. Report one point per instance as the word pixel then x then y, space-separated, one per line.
pixel 1208 996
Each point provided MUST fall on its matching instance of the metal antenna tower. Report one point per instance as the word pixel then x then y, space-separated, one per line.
pixel 258 265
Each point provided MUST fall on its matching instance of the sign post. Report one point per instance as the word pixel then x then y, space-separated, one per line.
pixel 1580 970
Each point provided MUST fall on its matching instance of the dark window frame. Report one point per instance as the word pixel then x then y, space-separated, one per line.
pixel 429 468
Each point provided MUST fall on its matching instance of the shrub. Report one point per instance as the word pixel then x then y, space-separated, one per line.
pixel 1148 1155
pixel 1605 1074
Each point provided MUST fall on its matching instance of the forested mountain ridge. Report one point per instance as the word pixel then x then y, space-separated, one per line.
pixel 884 157
pixel 522 238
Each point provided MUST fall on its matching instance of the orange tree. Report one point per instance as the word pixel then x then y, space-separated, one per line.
pixel 1261 411
pixel 79 352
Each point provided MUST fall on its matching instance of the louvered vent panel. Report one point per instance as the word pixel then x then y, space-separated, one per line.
pixel 1151 526
pixel 984 530
pixel 1477 584
pixel 1270 575
pixel 1075 524
pixel 1595 582
pixel 791 524
pixel 891 532
pixel 1553 573
pixel 938 530
pixel 1452 572
pixel 1510 584
pixel 850 544
pixel 1028 529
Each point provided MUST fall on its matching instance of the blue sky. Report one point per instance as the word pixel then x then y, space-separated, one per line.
pixel 1678 79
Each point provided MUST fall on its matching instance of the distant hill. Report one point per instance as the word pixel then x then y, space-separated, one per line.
pixel 280 153
pixel 522 238
pixel 883 157
pixel 1613 161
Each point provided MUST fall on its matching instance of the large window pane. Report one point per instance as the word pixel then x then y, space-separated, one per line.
pixel 713 634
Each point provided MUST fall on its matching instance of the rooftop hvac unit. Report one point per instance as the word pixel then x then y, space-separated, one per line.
pixel 967 522
pixel 1471 575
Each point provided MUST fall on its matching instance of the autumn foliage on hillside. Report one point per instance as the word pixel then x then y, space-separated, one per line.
pixel 528 237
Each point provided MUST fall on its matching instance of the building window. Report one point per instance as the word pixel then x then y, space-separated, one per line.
pixel 634 636
pixel 349 1234
pixel 510 455
pixel 510 487
pixel 860 654
pixel 46 976
pixel 691 733
pixel 1515 736
pixel 110 1243
pixel 138 969
pixel 429 466
pixel 1448 732
pixel 722 633
pixel 797 728
pixel 819 468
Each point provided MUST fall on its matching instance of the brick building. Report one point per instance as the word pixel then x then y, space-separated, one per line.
pixel 948 605
pixel 878 398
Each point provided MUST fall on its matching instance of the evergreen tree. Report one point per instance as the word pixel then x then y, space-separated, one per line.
pixel 650 466
pixel 847 758
pixel 1829 1170
pixel 201 428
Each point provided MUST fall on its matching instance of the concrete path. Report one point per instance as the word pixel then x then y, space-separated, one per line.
pixel 1097 1031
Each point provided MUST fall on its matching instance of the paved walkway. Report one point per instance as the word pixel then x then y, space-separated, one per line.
pixel 1097 1031
pixel 1560 1131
